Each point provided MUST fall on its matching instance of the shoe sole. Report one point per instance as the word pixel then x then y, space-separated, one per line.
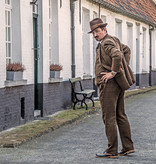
pixel 127 152
pixel 113 157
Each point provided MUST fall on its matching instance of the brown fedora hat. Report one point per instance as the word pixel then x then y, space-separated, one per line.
pixel 95 23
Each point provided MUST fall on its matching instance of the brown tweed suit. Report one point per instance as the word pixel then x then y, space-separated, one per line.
pixel 112 96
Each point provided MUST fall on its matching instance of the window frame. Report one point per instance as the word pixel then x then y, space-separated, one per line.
pixel 8 30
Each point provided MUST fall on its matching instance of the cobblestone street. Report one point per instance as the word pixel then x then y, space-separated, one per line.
pixel 79 142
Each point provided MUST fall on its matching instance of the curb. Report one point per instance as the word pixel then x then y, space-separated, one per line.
pixel 13 137
pixel 17 142
pixel 139 91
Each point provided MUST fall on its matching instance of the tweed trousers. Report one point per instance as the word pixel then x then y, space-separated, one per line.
pixel 113 115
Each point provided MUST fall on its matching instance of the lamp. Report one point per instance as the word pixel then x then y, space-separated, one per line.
pixel 33 2
pixel 34 6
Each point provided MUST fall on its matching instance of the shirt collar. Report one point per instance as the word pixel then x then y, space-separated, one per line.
pixel 102 39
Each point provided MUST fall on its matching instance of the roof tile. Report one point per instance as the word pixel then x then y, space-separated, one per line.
pixel 143 8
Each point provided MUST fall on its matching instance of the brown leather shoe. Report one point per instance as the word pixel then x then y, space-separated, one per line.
pixel 125 152
pixel 106 155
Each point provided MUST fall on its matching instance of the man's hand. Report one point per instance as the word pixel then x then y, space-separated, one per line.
pixel 106 76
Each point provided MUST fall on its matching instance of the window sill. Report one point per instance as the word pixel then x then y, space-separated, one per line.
pixel 55 80
pixel 144 72
pixel 9 83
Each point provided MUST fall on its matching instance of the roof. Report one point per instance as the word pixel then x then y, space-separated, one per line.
pixel 142 10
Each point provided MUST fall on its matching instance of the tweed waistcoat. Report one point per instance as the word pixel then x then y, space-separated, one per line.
pixel 98 67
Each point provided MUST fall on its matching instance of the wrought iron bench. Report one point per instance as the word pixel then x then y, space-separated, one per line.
pixel 85 94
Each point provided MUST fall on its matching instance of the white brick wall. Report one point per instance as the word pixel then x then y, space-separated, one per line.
pixel 65 39
pixel 64 31
pixel 27 40
pixel 45 21
pixel 78 43
pixel 110 19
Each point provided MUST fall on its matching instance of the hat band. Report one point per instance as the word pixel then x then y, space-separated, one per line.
pixel 95 26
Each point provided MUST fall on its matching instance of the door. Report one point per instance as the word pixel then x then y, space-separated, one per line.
pixel 137 55
pixel 35 38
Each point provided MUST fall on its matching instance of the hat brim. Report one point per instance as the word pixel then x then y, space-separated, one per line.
pixel 102 25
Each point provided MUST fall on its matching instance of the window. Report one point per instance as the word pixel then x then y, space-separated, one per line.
pixel 8 2
pixel 154 49
pixel 118 28
pixel 94 46
pixel 53 33
pixel 22 107
pixel 8 31
pixel 144 50
pixel 137 52
pixel 50 30
pixel 94 14
pixel 103 17
pixel 130 41
pixel 86 41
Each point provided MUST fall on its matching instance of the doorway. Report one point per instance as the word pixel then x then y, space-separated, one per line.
pixel 137 54
pixel 35 39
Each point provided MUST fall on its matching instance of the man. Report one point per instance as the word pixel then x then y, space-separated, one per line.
pixel 108 65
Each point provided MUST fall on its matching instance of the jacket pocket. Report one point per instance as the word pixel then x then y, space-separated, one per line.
pixel 122 80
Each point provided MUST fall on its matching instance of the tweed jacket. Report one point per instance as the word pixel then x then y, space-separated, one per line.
pixel 109 57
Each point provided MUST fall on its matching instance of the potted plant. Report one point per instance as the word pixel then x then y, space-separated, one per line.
pixel 55 70
pixel 15 71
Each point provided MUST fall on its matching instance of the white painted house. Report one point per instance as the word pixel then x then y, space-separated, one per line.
pixel 38 33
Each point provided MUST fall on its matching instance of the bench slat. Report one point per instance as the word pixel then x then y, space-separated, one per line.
pixel 73 80
pixel 85 92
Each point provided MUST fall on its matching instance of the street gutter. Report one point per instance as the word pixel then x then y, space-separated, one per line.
pixel 14 137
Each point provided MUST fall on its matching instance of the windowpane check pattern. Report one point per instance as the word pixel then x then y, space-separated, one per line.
pixel 50 31
pixel 8 2
pixel 8 31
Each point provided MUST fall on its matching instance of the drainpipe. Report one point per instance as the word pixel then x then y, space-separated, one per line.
pixel 99 10
pixel 150 59
pixel 72 8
